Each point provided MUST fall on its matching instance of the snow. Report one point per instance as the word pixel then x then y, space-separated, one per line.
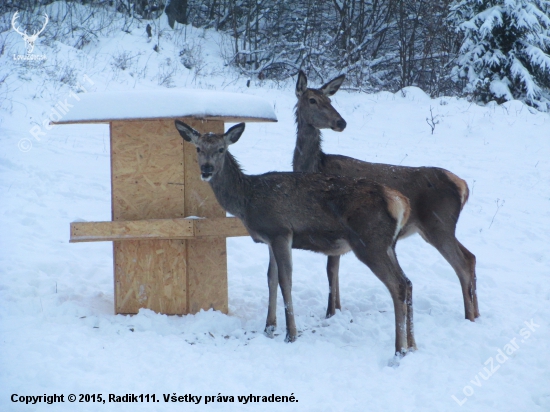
pixel 158 104
pixel 58 333
pixel 500 88
pixel 514 66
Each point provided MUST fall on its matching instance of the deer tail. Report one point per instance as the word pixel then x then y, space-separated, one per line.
pixel 398 207
pixel 461 186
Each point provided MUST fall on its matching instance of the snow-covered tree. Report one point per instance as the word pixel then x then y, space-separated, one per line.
pixel 505 53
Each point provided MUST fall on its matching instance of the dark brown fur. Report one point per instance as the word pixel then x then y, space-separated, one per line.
pixel 326 214
pixel 436 195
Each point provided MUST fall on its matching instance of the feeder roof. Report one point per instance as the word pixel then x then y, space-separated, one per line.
pixel 105 107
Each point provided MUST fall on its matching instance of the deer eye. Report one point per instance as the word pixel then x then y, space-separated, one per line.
pixel 221 150
pixel 313 101
pixel 198 150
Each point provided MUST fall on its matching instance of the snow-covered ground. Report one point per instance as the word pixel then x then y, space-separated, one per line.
pixel 58 334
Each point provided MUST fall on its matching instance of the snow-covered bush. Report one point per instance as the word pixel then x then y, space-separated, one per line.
pixel 504 55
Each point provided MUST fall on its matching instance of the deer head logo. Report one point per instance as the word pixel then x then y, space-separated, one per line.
pixel 29 40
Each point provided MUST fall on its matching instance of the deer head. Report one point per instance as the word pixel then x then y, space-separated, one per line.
pixel 314 106
pixel 211 147
pixel 29 40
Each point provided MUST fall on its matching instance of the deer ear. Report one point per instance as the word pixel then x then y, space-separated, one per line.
pixel 233 134
pixel 187 132
pixel 301 84
pixel 332 87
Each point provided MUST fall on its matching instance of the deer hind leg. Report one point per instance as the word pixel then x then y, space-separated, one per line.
pixel 384 265
pixel 463 262
pixel 272 283
pixel 411 343
pixel 281 247
pixel 333 266
pixel 471 259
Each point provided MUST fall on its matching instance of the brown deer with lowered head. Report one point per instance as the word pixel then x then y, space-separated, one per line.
pixel 436 195
pixel 311 211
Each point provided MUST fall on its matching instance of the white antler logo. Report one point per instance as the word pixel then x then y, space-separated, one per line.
pixel 29 40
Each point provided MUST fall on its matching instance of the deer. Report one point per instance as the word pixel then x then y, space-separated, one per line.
pixel 29 40
pixel 436 195
pixel 325 214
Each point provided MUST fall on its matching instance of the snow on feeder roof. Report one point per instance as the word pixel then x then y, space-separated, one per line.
pixel 104 107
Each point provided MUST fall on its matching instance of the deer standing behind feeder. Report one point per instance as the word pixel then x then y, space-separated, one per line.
pixel 436 195
pixel 326 214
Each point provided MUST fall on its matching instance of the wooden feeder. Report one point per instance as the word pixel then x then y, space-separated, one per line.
pixel 163 259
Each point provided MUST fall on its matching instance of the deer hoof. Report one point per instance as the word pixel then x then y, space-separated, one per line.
pixel 290 338
pixel 269 331
pixel 470 317
pixel 394 362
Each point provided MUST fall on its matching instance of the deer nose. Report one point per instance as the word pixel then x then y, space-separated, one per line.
pixel 341 124
pixel 206 171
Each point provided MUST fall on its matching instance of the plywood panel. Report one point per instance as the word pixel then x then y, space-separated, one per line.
pixel 156 229
pixel 147 170
pixel 151 274
pixel 147 183
pixel 155 175
pixel 132 230
pixel 207 274
pixel 226 227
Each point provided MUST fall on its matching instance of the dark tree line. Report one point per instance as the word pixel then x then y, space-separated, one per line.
pixel 379 44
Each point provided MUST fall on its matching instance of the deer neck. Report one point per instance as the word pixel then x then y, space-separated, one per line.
pixel 229 186
pixel 308 155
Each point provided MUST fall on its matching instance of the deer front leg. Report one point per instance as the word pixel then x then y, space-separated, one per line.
pixel 333 266
pixel 282 251
pixel 272 283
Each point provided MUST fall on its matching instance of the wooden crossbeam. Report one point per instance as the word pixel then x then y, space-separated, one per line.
pixel 182 228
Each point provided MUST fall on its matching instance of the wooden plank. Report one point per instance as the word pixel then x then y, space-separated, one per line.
pixel 147 170
pixel 206 257
pixel 155 175
pixel 224 227
pixel 156 229
pixel 132 230
pixel 207 275
pixel 151 274
pixel 147 183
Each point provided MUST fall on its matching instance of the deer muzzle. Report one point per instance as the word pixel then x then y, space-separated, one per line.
pixel 339 125
pixel 206 172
